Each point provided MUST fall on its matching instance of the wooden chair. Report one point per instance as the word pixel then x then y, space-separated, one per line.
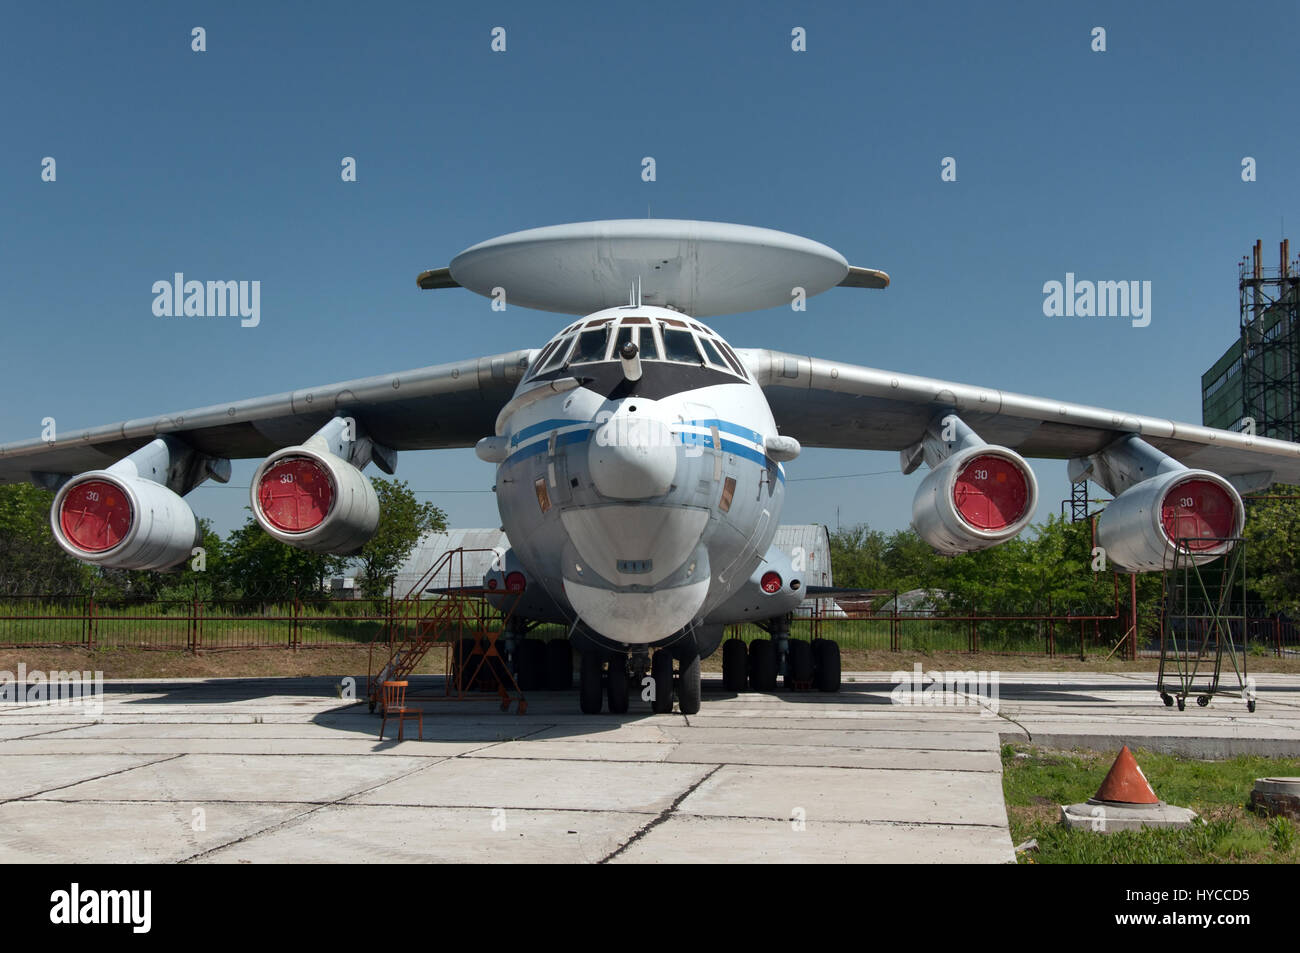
pixel 395 707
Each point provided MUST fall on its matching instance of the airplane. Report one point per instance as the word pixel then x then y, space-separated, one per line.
pixel 641 459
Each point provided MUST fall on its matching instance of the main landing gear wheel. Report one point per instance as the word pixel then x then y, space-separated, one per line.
pixel 735 666
pixel 688 686
pixel 1202 700
pixel 762 665
pixel 559 665
pixel 590 689
pixel 661 670
pixel 826 664
pixel 1182 704
pixel 616 685
pixel 799 665
pixel 530 665
pixel 1167 699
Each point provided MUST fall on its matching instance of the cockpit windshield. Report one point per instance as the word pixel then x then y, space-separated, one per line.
pixel 598 340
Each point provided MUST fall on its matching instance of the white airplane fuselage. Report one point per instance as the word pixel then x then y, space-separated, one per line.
pixel 642 506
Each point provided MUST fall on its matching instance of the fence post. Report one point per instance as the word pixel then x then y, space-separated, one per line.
pixel 90 621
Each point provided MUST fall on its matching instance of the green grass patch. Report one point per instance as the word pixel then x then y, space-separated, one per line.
pixel 1037 781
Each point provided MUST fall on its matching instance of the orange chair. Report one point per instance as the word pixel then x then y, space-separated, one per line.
pixel 395 707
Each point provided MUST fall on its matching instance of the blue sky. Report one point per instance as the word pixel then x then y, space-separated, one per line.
pixel 1122 165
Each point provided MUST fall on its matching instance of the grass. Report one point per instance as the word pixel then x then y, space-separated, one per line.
pixel 1036 781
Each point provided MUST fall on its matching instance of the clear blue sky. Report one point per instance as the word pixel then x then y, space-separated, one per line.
pixel 225 165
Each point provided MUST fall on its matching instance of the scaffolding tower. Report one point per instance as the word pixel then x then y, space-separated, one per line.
pixel 1270 345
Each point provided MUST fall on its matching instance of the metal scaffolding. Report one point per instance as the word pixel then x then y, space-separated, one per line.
pixel 1270 345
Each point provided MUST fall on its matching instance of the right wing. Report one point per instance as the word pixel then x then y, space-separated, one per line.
pixel 446 405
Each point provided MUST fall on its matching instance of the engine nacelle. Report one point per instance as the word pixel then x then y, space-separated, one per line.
pixel 123 522
pixel 978 497
pixel 314 500
pixel 1139 528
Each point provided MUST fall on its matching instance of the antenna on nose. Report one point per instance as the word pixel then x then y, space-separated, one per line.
pixel 634 293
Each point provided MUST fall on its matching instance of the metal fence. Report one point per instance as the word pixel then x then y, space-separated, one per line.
pixel 199 624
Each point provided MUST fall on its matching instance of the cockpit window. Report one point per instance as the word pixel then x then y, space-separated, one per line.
pixel 731 358
pixel 680 346
pixel 649 347
pixel 624 337
pixel 711 353
pixel 591 346
pixel 557 356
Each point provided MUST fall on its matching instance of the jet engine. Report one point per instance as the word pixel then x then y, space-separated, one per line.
pixel 976 496
pixel 315 497
pixel 123 523
pixel 314 500
pixel 1158 505
pixel 130 516
pixel 1141 528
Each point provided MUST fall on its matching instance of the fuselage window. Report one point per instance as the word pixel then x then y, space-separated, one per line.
pixel 649 347
pixel 624 337
pixel 680 346
pixel 591 346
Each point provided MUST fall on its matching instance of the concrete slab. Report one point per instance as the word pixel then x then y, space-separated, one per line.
pixel 355 833
pixel 844 794
pixel 285 770
pixel 149 832
pixel 738 840
pixel 203 778
pixel 544 784
pixel 28 775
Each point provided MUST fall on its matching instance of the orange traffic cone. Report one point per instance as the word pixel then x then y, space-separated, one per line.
pixel 1125 784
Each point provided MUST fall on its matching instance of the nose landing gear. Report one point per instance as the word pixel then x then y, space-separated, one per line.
pixel 616 679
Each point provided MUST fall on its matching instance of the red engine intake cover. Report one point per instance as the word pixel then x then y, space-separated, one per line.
pixel 990 492
pixel 295 495
pixel 1197 511
pixel 95 516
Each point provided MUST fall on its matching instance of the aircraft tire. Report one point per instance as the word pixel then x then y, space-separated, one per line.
pixel 735 666
pixel 762 665
pixel 826 662
pixel 590 690
pixel 688 686
pixel 616 685
pixel 559 665
pixel 798 664
pixel 661 670
pixel 530 667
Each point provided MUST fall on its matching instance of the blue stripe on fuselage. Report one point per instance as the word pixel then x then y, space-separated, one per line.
pixel 688 439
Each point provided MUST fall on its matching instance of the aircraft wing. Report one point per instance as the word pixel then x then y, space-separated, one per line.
pixel 824 403
pixel 446 405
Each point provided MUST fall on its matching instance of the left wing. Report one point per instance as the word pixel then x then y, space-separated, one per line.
pixel 825 403
pixel 446 405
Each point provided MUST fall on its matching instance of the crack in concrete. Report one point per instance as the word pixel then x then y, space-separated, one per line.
pixel 663 816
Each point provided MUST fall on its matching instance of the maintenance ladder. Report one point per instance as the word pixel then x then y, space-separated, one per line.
pixel 458 616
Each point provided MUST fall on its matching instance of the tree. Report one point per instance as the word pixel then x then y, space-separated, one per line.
pixel 30 559
pixel 402 523
pixel 1272 537
pixel 262 570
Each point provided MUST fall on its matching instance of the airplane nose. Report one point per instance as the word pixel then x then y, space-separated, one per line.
pixel 632 456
